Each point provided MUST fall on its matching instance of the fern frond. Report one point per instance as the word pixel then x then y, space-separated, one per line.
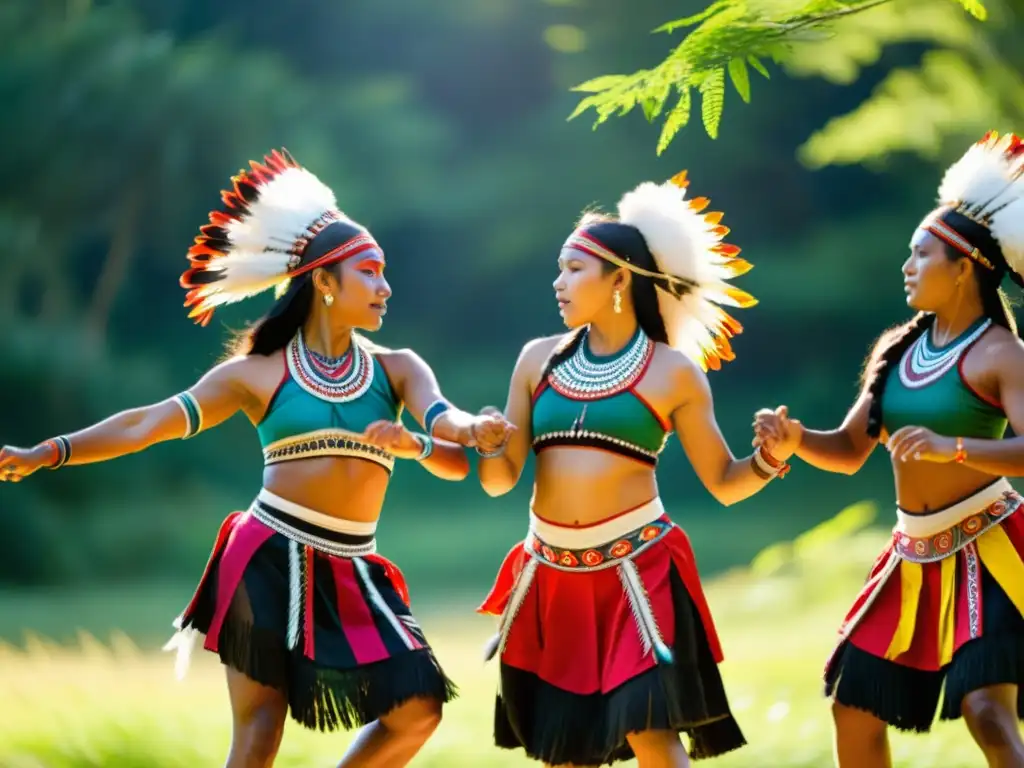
pixel 712 101
pixel 732 34
pixel 676 119
pixel 740 78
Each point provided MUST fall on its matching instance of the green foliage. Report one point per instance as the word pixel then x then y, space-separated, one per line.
pixel 828 38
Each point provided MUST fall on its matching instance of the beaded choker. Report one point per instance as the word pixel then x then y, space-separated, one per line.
pixel 336 380
pixel 580 377
pixel 923 364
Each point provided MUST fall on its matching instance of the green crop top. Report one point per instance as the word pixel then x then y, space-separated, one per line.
pixel 928 389
pixel 591 401
pixel 322 407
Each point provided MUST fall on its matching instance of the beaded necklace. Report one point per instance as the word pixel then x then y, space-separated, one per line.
pixel 336 380
pixel 923 364
pixel 581 378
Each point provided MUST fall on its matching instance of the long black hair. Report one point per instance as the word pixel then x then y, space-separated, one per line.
pixel 891 346
pixel 274 330
pixel 627 242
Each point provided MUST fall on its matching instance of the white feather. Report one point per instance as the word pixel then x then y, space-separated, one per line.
pixel 682 242
pixel 988 184
pixel 260 241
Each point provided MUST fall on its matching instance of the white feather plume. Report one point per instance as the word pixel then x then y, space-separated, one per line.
pixel 256 246
pixel 987 185
pixel 688 245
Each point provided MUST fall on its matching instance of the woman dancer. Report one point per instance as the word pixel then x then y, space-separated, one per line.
pixel 944 601
pixel 295 600
pixel 606 643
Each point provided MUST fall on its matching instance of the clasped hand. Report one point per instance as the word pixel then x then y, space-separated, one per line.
pixel 777 432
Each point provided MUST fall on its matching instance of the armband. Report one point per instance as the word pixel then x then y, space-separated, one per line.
pixel 434 411
pixel 193 414
pixel 62 451
pixel 427 443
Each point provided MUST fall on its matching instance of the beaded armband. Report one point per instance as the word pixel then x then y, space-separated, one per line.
pixel 61 447
pixel 193 413
pixel 427 444
pixel 434 412
pixel 766 466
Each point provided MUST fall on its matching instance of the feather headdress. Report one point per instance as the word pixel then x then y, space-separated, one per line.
pixel 278 221
pixel 692 265
pixel 986 187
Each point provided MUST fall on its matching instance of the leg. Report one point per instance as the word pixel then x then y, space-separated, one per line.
pixel 658 749
pixel 258 714
pixel 394 739
pixel 991 717
pixel 861 739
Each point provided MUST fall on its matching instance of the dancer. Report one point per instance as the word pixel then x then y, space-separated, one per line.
pixel 300 608
pixel 606 643
pixel 943 603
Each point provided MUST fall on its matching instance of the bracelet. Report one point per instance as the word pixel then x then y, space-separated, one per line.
pixel 961 453
pixel 427 446
pixel 491 454
pixel 767 466
pixel 61 448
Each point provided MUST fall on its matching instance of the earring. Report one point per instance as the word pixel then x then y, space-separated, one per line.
pixel 328 299
pixel 617 301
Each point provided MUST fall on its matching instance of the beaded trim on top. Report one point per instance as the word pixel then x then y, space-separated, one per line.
pixel 339 443
pixel 336 382
pixel 923 365
pixel 580 378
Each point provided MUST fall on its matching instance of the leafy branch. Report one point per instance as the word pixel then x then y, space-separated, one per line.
pixel 728 38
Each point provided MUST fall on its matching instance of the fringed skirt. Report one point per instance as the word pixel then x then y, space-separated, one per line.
pixel 301 602
pixel 940 615
pixel 605 631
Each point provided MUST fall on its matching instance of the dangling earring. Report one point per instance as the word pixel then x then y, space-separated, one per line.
pixel 328 299
pixel 617 301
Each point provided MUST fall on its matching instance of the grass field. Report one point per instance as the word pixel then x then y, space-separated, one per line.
pixel 117 704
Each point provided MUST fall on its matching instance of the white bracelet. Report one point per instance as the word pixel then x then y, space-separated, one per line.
pixel 491 454
pixel 764 466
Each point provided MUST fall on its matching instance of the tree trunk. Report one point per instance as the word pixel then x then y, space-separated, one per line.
pixel 115 267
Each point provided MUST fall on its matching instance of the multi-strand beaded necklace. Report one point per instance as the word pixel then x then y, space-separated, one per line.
pixel 581 378
pixel 923 364
pixel 336 380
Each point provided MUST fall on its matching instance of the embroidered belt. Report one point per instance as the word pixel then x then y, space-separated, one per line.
pixel 597 558
pixel 619 553
pixel 953 538
pixel 326 442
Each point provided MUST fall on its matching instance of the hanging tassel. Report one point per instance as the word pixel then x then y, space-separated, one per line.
pixel 294 594
pixel 646 625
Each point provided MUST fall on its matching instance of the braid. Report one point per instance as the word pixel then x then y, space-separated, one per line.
pixel 562 351
pixel 887 352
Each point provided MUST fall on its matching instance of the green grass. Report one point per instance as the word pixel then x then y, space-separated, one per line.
pixel 116 703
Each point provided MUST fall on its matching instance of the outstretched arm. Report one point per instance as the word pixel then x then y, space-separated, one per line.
pixel 843 450
pixel 217 396
pixel 727 478
pixel 499 474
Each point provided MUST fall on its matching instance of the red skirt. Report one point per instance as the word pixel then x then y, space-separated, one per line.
pixel 943 603
pixel 606 631
pixel 313 612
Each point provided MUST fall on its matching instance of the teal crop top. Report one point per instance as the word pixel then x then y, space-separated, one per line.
pixel 927 389
pixel 591 401
pixel 318 410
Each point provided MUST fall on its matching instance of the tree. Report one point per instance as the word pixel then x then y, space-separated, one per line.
pixel 965 83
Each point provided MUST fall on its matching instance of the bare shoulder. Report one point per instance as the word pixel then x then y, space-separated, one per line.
pixel 539 350
pixel 679 369
pixel 399 362
pixel 1003 351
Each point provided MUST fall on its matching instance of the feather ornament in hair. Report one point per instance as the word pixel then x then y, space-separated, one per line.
pixel 687 245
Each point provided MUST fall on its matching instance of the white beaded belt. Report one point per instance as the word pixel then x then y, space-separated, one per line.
pixel 307 539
